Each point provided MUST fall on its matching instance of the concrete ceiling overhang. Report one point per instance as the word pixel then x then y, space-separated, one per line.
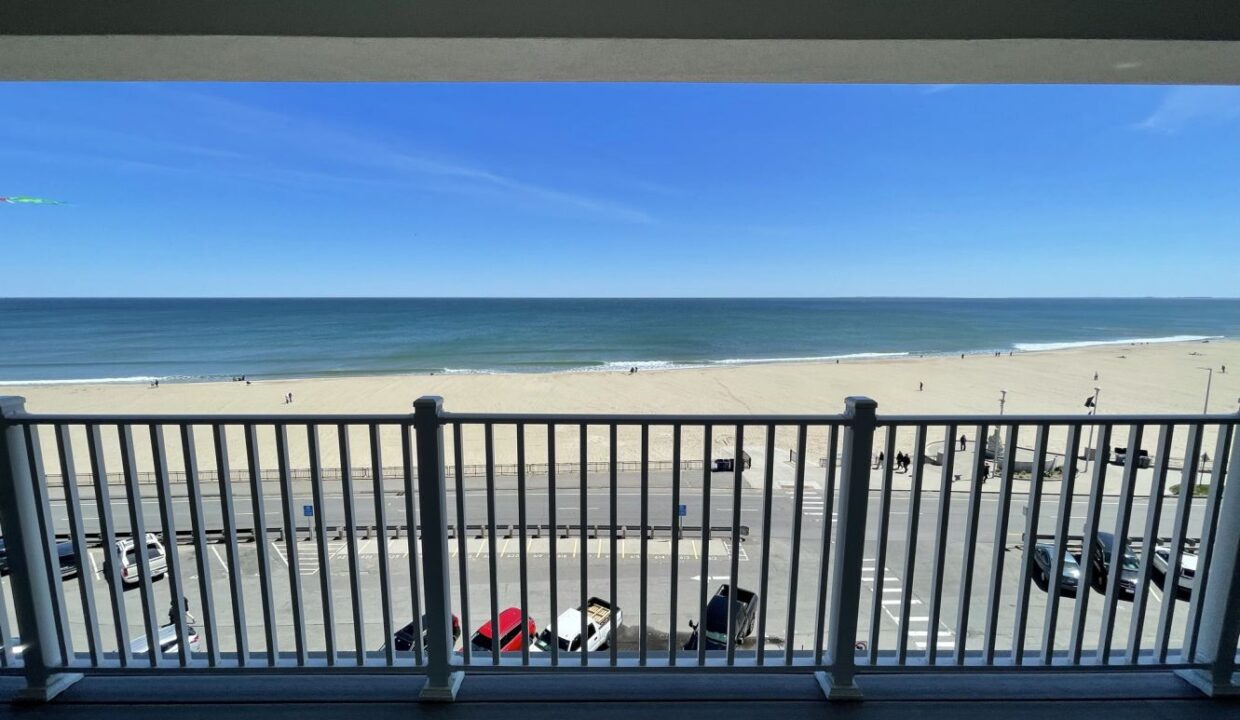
pixel 880 41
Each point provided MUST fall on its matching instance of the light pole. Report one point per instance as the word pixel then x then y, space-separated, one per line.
pixel 1089 444
pixel 1209 379
pixel 996 447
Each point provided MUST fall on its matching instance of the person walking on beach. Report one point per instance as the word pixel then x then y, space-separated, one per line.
pixel 964 443
pixel 881 458
pixel 1095 376
pixel 921 386
pixel 985 471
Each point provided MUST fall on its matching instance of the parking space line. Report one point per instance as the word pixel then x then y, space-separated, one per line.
pixel 280 553
pixel 219 557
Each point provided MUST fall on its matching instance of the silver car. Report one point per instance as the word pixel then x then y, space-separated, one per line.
pixel 1187 573
pixel 168 643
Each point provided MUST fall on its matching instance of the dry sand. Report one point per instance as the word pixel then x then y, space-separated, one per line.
pixel 1155 378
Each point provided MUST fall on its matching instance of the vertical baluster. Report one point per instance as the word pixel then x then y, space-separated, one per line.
pixel 768 477
pixel 1209 528
pixel 224 475
pixel 1063 518
pixel 643 628
pixel 137 532
pixel 411 523
pixel 385 572
pixel 824 551
pixel 258 502
pixel 1149 540
pixel 193 490
pixel 176 587
pixel 320 541
pixel 73 508
pixel 350 528
pixel 615 590
pixel 674 580
pixel 111 566
pixel 964 599
pixel 1089 542
pixel 940 544
pixel 910 554
pixel 1033 511
pixel 552 549
pixel 880 543
pixel 522 562
pixel 462 545
pixel 795 559
pixel 491 546
pixel 1183 508
pixel 705 577
pixel 583 450
pixel 1123 521
pixel 738 466
pixel 290 543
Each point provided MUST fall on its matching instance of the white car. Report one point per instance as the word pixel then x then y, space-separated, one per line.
pixel 128 554
pixel 598 628
pixel 1188 567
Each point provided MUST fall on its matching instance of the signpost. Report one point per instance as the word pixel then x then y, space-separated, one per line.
pixel 307 511
pixel 681 512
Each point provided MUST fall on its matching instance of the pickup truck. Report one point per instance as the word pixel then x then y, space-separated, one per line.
pixel 598 614
pixel 716 630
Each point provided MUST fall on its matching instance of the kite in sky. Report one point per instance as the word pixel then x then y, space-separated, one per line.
pixel 19 200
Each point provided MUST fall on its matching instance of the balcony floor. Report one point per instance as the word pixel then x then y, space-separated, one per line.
pixel 684 697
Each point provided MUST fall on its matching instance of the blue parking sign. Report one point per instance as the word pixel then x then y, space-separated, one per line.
pixel 684 510
pixel 307 510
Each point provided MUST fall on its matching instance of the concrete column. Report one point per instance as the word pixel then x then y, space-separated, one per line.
pixel 28 577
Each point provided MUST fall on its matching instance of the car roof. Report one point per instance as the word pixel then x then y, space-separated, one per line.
pixel 508 618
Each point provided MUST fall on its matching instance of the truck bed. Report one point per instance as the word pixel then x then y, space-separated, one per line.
pixel 598 611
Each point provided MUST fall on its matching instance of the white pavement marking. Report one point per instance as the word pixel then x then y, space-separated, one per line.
pixel 280 553
pixel 219 557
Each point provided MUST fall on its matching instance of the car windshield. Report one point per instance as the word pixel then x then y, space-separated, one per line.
pixel 721 638
pixel 481 642
pixel 544 641
pixel 1130 562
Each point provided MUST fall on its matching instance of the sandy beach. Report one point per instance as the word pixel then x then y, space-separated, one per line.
pixel 1153 378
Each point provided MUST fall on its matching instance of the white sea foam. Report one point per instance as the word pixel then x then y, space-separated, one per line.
pixel 467 371
pixel 816 358
pixel 83 381
pixel 1034 347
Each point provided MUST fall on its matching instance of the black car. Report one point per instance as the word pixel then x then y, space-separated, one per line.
pixel 716 630
pixel 1069 575
pixel 66 557
pixel 403 640
pixel 1104 546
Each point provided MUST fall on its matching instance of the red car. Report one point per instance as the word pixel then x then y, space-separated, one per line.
pixel 511 638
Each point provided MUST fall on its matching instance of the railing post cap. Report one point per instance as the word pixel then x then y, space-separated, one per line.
pixel 434 403
pixel 12 405
pixel 859 404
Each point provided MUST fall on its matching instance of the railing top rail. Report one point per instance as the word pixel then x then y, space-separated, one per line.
pixel 204 419
pixel 1074 419
pixel 471 418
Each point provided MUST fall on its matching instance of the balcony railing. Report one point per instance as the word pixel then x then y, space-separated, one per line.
pixel 272 548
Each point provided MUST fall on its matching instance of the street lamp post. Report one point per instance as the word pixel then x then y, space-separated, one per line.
pixel 1209 379
pixel 995 442
pixel 1089 444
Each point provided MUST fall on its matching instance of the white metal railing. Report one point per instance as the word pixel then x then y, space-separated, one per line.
pixel 853 573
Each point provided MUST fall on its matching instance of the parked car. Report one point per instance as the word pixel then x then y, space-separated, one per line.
pixel 1103 548
pixel 128 554
pixel 716 630
pixel 403 640
pixel 1187 574
pixel 168 643
pixel 65 555
pixel 598 628
pixel 1070 573
pixel 512 636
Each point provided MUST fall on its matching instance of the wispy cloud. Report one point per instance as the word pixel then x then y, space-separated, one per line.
pixel 380 160
pixel 935 89
pixel 1184 106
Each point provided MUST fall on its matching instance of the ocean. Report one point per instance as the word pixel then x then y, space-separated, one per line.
pixel 138 340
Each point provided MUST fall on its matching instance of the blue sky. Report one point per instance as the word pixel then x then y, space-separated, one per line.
pixel 619 190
